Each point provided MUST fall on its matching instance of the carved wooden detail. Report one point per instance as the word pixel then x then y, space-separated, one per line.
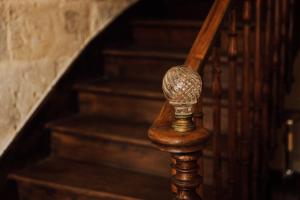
pixel 245 134
pixel 217 91
pixel 232 105
pixel 186 149
pixel 257 131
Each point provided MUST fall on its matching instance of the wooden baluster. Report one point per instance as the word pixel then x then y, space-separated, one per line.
pixel 198 118
pixel 289 75
pixel 267 73
pixel 187 177
pixel 283 61
pixel 232 105
pixel 257 103
pixel 216 90
pixel 173 173
pixel 274 72
pixel 266 93
pixel 245 133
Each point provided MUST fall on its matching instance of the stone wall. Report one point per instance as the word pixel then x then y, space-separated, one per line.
pixel 38 41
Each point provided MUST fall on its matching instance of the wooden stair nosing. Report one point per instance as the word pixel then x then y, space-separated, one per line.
pixel 138 52
pixel 93 181
pixel 168 23
pixel 70 126
pixel 99 127
pixel 125 88
pixel 186 23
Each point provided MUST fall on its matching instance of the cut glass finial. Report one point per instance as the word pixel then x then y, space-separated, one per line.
pixel 182 88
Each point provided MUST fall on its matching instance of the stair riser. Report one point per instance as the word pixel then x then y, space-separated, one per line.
pixel 137 109
pixel 170 36
pixel 139 158
pixel 130 108
pixel 139 68
pixel 180 37
pixel 153 69
pixel 30 191
pixel 99 151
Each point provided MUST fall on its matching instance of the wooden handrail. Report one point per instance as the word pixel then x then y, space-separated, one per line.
pixel 200 50
pixel 187 148
pixel 249 126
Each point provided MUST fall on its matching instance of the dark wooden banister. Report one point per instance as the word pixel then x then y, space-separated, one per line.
pixel 186 149
pixel 200 49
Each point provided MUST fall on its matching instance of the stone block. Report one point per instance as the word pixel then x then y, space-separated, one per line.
pixel 3 32
pixel 39 39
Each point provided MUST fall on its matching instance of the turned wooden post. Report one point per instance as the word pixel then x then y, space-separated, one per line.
pixel 267 75
pixel 232 105
pixel 181 136
pixel 245 125
pixel 266 130
pixel 257 133
pixel 290 52
pixel 274 71
pixel 217 93
pixel 283 58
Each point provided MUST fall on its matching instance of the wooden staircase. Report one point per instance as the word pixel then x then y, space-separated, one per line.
pixel 103 151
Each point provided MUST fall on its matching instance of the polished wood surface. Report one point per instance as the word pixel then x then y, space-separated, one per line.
pixel 198 53
pixel 192 142
pixel 217 87
pixel 232 98
pixel 89 182
pixel 241 54
pixel 245 125
pixel 257 134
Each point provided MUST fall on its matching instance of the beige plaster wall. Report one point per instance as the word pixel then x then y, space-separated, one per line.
pixel 38 41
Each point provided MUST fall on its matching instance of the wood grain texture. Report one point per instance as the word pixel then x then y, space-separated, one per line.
pixel 245 132
pixel 163 136
pixel 216 87
pixel 91 182
pixel 199 50
pixel 266 91
pixel 257 137
pixel 232 104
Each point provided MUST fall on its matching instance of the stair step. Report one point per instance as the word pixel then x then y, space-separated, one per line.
pixel 144 89
pixel 146 64
pixel 98 140
pixel 140 64
pixel 93 139
pixel 57 179
pixel 135 101
pixel 179 34
pixel 165 33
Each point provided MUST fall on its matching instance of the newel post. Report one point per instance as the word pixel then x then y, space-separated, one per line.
pixel 178 134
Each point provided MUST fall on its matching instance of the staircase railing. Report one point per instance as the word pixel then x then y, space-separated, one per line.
pixel 253 100
pixel 186 148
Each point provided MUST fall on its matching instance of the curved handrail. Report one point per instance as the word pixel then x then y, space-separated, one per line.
pixel 200 50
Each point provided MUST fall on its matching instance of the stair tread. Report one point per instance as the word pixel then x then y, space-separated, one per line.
pixel 168 22
pixel 100 127
pixel 134 51
pixel 121 87
pixel 94 181
pixel 137 88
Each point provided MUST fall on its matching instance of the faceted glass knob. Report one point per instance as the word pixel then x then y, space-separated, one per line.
pixel 182 87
